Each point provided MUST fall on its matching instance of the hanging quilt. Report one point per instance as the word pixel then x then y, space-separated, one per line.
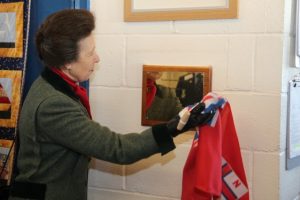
pixel 14 27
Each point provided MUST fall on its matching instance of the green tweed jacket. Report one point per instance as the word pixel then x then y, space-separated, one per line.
pixel 57 139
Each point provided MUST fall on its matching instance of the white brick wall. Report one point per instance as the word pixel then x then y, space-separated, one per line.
pixel 251 64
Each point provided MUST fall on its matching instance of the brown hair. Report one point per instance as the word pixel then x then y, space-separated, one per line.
pixel 57 38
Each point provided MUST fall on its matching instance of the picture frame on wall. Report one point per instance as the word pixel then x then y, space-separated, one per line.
pixel 157 10
pixel 166 90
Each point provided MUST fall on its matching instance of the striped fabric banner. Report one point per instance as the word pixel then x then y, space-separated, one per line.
pixel 14 28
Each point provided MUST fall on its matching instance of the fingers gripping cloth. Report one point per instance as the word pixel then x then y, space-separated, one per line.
pixel 185 114
pixel 184 117
pixel 190 117
pixel 212 103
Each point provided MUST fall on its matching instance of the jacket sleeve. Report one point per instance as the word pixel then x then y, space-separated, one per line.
pixel 63 121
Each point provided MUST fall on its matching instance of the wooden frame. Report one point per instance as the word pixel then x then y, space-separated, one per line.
pixel 168 89
pixel 145 10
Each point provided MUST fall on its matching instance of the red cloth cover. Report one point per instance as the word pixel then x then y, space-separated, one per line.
pixel 214 166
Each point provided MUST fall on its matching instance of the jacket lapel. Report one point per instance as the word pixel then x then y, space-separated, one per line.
pixel 58 83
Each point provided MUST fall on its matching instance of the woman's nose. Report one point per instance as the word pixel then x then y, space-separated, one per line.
pixel 97 58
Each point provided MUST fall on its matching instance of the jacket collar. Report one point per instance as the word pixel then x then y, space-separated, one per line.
pixel 58 83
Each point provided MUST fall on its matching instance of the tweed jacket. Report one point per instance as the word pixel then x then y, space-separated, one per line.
pixel 57 139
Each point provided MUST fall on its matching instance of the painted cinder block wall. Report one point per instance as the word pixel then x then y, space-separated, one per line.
pixel 251 61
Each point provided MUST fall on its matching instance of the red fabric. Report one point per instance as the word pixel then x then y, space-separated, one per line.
pixel 4 100
pixel 202 173
pixel 3 97
pixel 79 91
pixel 150 92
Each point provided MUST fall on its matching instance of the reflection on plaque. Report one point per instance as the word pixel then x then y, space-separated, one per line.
pixel 168 89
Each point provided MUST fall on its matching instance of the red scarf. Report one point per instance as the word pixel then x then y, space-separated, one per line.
pixel 78 90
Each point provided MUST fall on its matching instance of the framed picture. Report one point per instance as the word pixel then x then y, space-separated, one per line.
pixel 157 10
pixel 166 90
pixel 10 94
pixel 11 31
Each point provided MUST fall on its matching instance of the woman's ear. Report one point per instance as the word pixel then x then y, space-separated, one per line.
pixel 68 67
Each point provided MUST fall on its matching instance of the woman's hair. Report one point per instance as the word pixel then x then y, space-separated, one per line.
pixel 58 37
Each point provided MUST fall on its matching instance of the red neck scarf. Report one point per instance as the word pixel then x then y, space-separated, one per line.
pixel 78 90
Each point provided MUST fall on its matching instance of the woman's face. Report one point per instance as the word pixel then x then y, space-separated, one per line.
pixel 154 75
pixel 82 69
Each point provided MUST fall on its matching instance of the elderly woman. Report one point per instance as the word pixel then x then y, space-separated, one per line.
pixel 56 130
